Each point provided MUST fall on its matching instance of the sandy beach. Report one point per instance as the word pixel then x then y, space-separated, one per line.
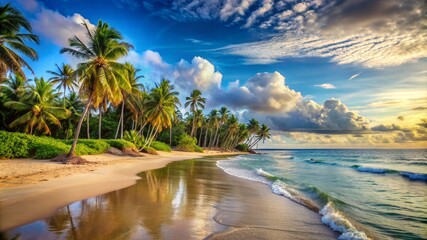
pixel 32 189
pixel 191 199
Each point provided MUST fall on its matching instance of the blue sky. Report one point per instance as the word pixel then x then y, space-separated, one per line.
pixel 319 73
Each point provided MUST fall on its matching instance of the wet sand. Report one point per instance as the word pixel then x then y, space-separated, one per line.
pixel 41 187
pixel 190 199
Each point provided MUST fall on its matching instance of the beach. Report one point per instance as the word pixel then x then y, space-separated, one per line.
pixel 31 189
pixel 190 199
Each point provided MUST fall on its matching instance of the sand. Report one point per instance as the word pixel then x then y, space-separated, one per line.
pixel 185 200
pixel 33 189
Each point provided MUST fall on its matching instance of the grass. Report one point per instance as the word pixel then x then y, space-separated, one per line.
pixel 161 146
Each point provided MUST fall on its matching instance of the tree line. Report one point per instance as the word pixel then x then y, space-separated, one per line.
pixel 103 96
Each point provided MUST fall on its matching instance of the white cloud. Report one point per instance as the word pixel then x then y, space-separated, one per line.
pixel 267 5
pixel 264 93
pixel 326 86
pixel 301 7
pixel 58 28
pixel 233 7
pixel 353 76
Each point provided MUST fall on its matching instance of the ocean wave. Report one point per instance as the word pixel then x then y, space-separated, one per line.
pixel 422 163
pixel 231 167
pixel 283 156
pixel 414 176
pixel 312 161
pixel 409 175
pixel 336 221
pixel 373 169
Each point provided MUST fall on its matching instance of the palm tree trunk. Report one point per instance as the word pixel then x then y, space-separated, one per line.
pixel 87 125
pixel 206 137
pixel 122 119
pixel 64 95
pixel 100 122
pixel 192 128
pixel 200 137
pixel 170 136
pixel 79 126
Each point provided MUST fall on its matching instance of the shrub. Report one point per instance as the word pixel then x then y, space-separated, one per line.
pixel 46 147
pixel 188 144
pixel 133 137
pixel 96 146
pixel 13 145
pixel 150 150
pixel 160 146
pixel 120 143
pixel 242 147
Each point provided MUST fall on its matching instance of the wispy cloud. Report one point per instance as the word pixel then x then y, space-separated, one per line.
pixel 353 76
pixel 326 86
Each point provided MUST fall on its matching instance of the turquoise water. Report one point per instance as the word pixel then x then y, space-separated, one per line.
pixel 377 194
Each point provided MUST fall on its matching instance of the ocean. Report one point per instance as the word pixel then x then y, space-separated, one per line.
pixel 363 194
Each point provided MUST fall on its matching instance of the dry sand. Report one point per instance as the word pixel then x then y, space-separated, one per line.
pixel 31 189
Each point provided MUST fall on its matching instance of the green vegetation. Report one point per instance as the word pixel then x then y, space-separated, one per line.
pixel 243 147
pixel 120 144
pixel 150 150
pixel 111 102
pixel 160 146
pixel 188 144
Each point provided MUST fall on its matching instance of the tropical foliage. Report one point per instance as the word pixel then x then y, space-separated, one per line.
pixel 109 96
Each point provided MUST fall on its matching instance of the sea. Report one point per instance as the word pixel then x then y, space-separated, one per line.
pixel 362 194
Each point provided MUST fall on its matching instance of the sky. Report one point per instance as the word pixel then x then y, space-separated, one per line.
pixel 320 74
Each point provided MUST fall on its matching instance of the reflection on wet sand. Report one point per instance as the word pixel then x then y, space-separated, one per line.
pixel 184 200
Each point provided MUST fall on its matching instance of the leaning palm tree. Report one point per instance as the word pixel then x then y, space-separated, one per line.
pixel 64 77
pixel 38 108
pixel 12 42
pixel 262 134
pixel 161 105
pixel 223 113
pixel 75 106
pixel 100 74
pixel 196 102
pixel 131 99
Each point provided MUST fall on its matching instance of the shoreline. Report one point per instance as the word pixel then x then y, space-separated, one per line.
pixel 28 202
pixel 192 199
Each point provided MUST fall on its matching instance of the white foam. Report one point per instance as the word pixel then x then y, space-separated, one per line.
pixel 263 173
pixel 279 188
pixel 231 167
pixel 339 223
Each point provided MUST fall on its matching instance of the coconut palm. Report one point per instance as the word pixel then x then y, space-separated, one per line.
pixel 262 134
pixel 160 108
pixel 12 42
pixel 39 108
pixel 101 76
pixel 14 87
pixel 64 77
pixel 131 99
pixel 253 128
pixel 215 124
pixel 196 102
pixel 75 106
pixel 223 113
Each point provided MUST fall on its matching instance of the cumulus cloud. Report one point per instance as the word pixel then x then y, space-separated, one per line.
pixel 197 74
pixel 326 86
pixel 59 28
pixel 264 92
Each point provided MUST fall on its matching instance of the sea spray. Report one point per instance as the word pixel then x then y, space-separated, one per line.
pixel 336 221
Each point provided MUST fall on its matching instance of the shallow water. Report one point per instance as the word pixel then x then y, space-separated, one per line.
pixel 191 199
pixel 378 194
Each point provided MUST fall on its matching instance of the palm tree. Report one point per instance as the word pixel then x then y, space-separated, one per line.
pixel 64 77
pixel 100 75
pixel 14 87
pixel 253 128
pixel 262 134
pixel 223 113
pixel 196 102
pixel 215 123
pixel 232 130
pixel 160 106
pixel 75 106
pixel 131 99
pixel 39 108
pixel 12 42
